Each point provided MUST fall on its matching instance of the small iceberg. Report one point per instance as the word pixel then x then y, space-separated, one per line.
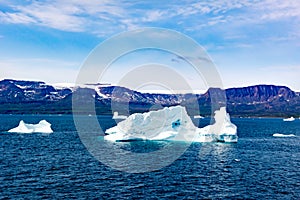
pixel 289 119
pixel 283 135
pixel 172 123
pixel 117 116
pixel 198 117
pixel 221 131
pixel 42 127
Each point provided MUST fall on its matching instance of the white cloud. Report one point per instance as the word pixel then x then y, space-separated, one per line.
pixel 76 16
pixel 224 18
pixel 15 18
pixel 276 9
pixel 93 15
pixel 51 16
pixel 154 15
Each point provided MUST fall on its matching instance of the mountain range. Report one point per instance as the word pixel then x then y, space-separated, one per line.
pixel 33 97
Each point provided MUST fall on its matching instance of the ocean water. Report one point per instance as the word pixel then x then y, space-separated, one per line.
pixel 57 165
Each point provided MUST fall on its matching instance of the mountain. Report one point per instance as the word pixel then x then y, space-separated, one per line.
pixel 27 91
pixel 38 97
pixel 263 100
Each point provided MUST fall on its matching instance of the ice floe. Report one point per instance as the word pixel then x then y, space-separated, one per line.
pixel 283 135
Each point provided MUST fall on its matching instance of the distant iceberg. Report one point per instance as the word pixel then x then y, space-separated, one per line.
pixel 117 116
pixel 172 123
pixel 198 117
pixel 289 119
pixel 42 127
pixel 283 135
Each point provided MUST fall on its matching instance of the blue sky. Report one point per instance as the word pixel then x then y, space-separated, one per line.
pixel 250 41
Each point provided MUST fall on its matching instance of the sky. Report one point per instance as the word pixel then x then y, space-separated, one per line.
pixel 250 41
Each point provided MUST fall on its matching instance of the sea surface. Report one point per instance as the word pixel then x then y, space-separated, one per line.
pixel 59 166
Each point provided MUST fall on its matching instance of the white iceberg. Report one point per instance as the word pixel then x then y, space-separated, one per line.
pixel 221 131
pixel 283 135
pixel 163 124
pixel 117 116
pixel 198 117
pixel 172 123
pixel 289 119
pixel 42 127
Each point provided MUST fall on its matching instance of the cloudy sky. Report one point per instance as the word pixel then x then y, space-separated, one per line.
pixel 250 41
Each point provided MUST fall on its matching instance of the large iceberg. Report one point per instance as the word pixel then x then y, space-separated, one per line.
pixel 172 123
pixel 42 127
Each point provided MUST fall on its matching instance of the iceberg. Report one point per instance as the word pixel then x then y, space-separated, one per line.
pixel 42 127
pixel 117 116
pixel 283 135
pixel 289 119
pixel 221 131
pixel 172 123
pixel 167 123
pixel 198 117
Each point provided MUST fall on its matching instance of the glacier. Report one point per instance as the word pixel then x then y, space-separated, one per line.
pixel 42 127
pixel 172 123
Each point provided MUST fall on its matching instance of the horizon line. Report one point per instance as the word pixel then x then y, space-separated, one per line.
pixel 150 91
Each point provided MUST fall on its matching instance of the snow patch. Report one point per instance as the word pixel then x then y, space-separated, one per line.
pixel 23 87
pixel 97 89
pixel 61 86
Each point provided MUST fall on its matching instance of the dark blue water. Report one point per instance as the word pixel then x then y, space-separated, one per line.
pixel 55 166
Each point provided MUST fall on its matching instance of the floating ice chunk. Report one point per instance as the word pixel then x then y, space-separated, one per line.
pixel 289 119
pixel 172 123
pixel 221 131
pixel 42 127
pixel 283 135
pixel 198 117
pixel 117 116
pixel 165 124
